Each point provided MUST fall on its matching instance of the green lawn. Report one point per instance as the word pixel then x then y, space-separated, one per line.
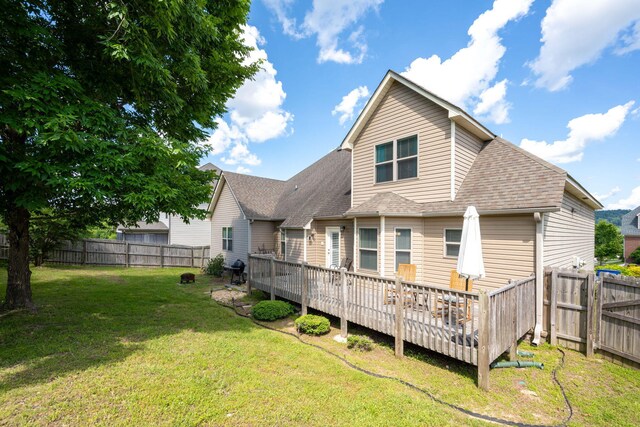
pixel 116 346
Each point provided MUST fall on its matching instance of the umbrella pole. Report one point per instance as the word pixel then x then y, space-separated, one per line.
pixel 466 286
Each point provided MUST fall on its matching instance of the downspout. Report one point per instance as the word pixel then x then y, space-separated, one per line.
pixel 355 244
pixel 453 160
pixel 382 255
pixel 539 266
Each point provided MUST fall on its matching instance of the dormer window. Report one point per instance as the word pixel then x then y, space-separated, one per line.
pixel 397 160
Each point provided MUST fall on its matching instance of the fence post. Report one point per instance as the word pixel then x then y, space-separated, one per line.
pixel 590 298
pixel 162 255
pixel 273 278
pixel 553 307
pixel 305 288
pixel 399 344
pixel 84 251
pixel 126 254
pixel 344 309
pixel 483 341
pixel 600 298
pixel 248 272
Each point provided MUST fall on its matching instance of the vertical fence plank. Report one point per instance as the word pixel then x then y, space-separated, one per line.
pixel 272 283
pixel 483 341
pixel 345 302
pixel 590 298
pixel 304 291
pixel 399 294
pixel 553 308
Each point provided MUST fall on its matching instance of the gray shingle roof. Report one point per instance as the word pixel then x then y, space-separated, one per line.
pixel 257 196
pixel 322 190
pixel 387 203
pixel 146 226
pixel 502 177
pixel 630 223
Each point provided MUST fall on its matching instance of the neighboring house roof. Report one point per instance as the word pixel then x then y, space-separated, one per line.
pixel 149 227
pixel 630 223
pixel 209 167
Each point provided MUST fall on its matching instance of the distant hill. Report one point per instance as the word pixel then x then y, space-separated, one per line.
pixel 614 216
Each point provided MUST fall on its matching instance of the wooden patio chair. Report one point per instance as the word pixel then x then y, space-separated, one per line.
pixel 408 274
pixel 445 302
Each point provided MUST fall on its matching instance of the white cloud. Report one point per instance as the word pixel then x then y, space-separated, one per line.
pixel 346 108
pixel 255 112
pixel 241 154
pixel 242 169
pixel 631 202
pixel 576 32
pixel 328 20
pixel 467 78
pixel 615 190
pixel 493 103
pixel 582 130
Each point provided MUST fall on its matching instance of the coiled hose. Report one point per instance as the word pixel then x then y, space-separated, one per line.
pixel 465 411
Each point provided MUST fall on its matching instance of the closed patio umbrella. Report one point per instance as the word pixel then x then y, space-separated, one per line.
pixel 470 263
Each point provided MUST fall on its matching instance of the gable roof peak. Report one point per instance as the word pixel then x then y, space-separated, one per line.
pixel 456 113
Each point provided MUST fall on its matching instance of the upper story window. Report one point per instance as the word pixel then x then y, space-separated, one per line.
pixel 397 160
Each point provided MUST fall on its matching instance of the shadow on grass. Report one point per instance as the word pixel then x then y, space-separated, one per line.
pixel 410 350
pixel 96 316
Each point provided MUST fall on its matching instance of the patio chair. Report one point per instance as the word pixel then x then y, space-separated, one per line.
pixel 446 302
pixel 346 263
pixel 408 274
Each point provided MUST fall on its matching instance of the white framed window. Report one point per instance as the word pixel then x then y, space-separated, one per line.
pixel 368 248
pixel 403 246
pixel 227 238
pixel 452 238
pixel 283 242
pixel 396 160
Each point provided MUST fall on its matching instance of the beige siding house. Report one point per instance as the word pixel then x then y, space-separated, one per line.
pixel 395 192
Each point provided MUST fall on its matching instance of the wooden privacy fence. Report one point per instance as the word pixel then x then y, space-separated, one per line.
pixel 588 315
pixel 128 254
pixel 474 327
pixel 618 329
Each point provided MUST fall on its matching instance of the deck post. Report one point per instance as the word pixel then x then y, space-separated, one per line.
pixel 272 283
pixel 553 308
pixel 345 296
pixel 590 301
pixel 248 272
pixel 483 341
pixel 305 288
pixel 399 344
pixel 512 352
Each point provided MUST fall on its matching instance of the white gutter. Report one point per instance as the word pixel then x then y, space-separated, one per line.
pixel 355 246
pixel 539 266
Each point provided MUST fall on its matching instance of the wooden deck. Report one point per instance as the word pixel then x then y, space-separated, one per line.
pixel 497 320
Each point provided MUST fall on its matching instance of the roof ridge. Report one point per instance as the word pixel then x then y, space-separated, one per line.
pixel 251 176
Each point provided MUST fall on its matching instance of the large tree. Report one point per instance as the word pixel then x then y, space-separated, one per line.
pixel 103 107
pixel 608 241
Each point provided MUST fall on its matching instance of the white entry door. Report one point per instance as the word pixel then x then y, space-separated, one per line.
pixel 333 247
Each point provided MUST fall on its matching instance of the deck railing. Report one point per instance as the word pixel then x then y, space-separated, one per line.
pixel 474 327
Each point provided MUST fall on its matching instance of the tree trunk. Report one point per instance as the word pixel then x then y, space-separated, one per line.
pixel 19 276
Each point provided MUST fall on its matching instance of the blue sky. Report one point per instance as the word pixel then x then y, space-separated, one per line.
pixel 559 78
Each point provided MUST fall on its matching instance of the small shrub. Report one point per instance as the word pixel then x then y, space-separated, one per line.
pixel 359 342
pixel 635 256
pixel 630 270
pixel 271 310
pixel 311 324
pixel 215 266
